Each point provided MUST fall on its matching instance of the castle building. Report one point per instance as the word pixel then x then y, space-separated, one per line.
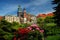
pixel 22 17
pixel 12 19
pixel 33 19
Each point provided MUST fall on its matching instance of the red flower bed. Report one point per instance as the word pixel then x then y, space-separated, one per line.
pixel 23 31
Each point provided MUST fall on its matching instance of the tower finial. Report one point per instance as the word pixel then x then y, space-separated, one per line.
pixel 24 9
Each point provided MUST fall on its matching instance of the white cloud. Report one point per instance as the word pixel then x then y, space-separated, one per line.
pixel 49 11
pixel 36 3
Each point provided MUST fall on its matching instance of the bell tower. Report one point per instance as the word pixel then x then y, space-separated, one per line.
pixel 19 13
pixel 25 15
pixel 24 12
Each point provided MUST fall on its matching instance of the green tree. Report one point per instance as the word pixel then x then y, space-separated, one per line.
pixel 6 26
pixel 57 12
pixel 40 22
pixel 49 19
pixel 50 27
pixel 34 35
pixel 15 25
pixel 5 30
pixel 24 25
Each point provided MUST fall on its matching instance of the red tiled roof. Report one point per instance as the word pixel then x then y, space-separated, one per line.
pixel 1 17
pixel 44 15
pixel 41 15
pixel 50 14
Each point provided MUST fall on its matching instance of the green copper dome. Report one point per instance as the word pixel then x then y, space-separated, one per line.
pixel 19 8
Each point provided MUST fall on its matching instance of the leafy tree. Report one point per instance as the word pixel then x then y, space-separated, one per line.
pixel 6 26
pixel 15 25
pixel 40 22
pixel 24 25
pixel 50 27
pixel 34 35
pixel 49 19
pixel 5 29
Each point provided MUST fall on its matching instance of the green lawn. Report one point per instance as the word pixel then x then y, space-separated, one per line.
pixel 56 37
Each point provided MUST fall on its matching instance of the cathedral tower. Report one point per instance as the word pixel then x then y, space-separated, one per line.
pixel 24 12
pixel 25 15
pixel 19 13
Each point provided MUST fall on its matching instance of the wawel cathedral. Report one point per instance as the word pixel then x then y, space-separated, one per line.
pixel 22 17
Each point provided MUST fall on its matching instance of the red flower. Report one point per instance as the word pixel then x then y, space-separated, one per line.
pixel 41 31
pixel 14 38
pixel 23 31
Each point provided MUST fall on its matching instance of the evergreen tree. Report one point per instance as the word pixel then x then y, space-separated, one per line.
pixel 57 12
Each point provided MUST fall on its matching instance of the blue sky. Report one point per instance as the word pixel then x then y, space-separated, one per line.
pixel 35 7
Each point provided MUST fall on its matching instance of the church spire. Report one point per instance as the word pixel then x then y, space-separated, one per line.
pixel 24 10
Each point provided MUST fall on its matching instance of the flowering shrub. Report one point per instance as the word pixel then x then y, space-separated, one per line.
pixel 24 33
pixel 35 27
